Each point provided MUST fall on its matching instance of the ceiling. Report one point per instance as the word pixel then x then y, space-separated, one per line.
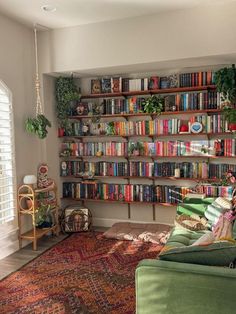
pixel 78 12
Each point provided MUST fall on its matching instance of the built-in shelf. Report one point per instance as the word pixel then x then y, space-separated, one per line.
pixel 142 157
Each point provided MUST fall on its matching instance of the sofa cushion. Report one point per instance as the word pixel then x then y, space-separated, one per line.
pixel 180 237
pixel 214 210
pixel 216 254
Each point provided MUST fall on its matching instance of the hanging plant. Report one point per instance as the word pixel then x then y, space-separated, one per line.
pixel 154 104
pixel 39 124
pixel 225 80
pixel 66 92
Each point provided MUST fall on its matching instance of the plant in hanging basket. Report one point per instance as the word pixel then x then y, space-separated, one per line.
pixel 38 126
pixel 67 96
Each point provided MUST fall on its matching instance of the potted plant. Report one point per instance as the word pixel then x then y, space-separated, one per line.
pixel 230 116
pixel 66 93
pixel 136 149
pixel 225 80
pixel 154 104
pixel 38 126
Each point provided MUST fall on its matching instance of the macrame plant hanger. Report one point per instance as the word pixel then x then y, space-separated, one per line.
pixel 39 107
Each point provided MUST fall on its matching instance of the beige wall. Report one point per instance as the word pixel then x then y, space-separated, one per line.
pixel 17 72
pixel 171 36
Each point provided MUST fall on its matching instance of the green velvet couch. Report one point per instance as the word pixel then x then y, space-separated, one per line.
pixel 167 287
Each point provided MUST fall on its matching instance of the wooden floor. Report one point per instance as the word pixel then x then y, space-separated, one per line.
pixel 18 259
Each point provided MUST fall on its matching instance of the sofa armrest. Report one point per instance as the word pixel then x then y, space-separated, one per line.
pixel 164 287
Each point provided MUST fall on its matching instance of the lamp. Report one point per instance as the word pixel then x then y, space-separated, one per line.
pixel 30 179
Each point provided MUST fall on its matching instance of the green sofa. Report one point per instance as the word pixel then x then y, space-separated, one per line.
pixel 168 287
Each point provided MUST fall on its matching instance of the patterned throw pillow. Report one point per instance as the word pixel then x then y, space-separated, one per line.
pixel 219 206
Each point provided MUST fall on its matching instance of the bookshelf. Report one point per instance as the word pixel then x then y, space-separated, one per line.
pixel 83 141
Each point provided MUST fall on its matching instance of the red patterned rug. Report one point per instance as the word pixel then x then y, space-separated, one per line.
pixel 83 274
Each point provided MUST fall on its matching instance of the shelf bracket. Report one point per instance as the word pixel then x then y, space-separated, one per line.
pixel 129 211
pixel 153 212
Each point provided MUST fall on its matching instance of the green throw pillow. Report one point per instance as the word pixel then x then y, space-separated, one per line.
pixel 216 254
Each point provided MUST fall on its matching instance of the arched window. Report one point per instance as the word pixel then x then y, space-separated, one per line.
pixel 7 157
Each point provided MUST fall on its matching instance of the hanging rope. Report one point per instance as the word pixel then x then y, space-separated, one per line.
pixel 39 108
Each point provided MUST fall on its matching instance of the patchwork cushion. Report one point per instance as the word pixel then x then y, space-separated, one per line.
pixel 219 206
pixel 216 254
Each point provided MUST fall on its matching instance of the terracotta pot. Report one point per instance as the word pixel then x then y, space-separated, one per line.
pixel 61 132
pixel 232 126
pixel 29 203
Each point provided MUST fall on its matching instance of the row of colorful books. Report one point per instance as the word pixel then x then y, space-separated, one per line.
pixel 210 124
pixel 118 84
pixel 138 192
pixel 140 168
pixel 125 192
pixel 196 79
pixel 180 102
pixel 222 147
pixel 131 105
pixel 219 170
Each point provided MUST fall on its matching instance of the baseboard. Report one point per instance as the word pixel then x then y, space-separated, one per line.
pixel 106 222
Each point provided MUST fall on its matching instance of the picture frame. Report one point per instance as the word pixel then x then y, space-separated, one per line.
pixel 196 127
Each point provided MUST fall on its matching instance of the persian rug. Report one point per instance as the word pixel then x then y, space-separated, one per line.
pixel 85 273
pixel 155 233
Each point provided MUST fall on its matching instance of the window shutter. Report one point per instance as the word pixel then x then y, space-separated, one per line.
pixel 7 158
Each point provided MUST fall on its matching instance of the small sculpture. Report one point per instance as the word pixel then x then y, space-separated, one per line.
pixel 43 180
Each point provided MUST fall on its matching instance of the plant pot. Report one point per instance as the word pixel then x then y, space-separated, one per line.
pixel 61 132
pixel 232 126
pixel 29 203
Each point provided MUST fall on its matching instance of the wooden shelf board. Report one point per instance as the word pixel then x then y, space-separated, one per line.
pixel 213 134
pixel 121 202
pixel 142 177
pixel 147 92
pixel 39 233
pixel 144 157
pixel 127 115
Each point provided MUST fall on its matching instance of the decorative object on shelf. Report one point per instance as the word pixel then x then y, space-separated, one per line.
pixel 43 180
pixel 225 80
pixel 110 130
pixel 85 129
pixel 81 109
pixel 66 94
pixel 95 113
pixel 173 80
pixel 228 178
pixel 99 153
pixel 40 123
pixel 154 104
pixel 196 127
pixel 136 148
pixel 177 173
pixel 153 82
pixel 76 219
pixel 96 86
pixel 30 179
pixel 183 129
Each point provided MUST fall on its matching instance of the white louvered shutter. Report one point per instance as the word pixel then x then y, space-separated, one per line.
pixel 7 157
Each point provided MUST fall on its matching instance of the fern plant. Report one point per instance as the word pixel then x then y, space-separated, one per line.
pixel 154 104
pixel 225 80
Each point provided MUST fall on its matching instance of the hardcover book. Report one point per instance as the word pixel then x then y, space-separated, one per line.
pixel 116 84
pixel 106 85
pixel 154 82
pixel 96 86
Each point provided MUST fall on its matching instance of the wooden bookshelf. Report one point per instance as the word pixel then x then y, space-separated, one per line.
pixel 128 138
pixel 150 92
